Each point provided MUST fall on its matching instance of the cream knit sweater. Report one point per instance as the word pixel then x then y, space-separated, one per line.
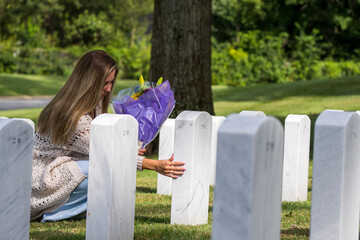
pixel 55 174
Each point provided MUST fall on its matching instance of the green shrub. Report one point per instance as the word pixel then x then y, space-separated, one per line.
pixel 49 61
pixel 88 29
pixel 260 58
pixel 257 58
pixel 305 51
pixel 135 60
pixel 350 68
pixel 7 60
pixel 331 69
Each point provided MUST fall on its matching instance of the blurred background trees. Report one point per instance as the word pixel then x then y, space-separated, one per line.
pixel 253 41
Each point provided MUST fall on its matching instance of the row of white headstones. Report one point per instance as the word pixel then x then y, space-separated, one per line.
pixel 255 170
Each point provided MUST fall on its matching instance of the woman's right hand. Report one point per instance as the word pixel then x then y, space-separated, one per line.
pixel 170 168
pixel 165 167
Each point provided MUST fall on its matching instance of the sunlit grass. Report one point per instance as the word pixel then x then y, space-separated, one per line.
pixel 310 97
pixel 38 85
pixel 31 113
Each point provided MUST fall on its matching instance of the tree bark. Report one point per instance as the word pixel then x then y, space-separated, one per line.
pixel 181 52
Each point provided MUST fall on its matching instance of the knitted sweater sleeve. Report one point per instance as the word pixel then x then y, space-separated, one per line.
pixel 80 140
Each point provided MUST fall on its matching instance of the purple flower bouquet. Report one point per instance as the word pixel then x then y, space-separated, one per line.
pixel 149 104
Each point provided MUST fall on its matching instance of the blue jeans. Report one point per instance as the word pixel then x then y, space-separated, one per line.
pixel 75 207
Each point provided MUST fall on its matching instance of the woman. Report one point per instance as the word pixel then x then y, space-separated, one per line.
pixel 61 147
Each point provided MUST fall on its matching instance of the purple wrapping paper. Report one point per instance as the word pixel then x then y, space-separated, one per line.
pixel 150 110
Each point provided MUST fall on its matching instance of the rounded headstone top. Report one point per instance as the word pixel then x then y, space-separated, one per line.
pixel 297 118
pixel 252 113
pixel 335 117
pixel 109 119
pixel 192 115
pixel 16 123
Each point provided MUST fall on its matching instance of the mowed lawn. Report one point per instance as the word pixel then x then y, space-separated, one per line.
pixel 152 213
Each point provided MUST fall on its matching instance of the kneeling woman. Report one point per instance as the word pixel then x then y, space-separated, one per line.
pixel 61 147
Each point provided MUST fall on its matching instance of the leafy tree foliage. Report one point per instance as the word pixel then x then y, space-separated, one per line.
pixel 68 22
pixel 337 22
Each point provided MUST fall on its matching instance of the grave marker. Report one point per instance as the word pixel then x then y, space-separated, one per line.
pixel 247 198
pixel 216 122
pixel 336 171
pixel 16 153
pixel 190 192
pixel 166 149
pixel 296 158
pixel 112 177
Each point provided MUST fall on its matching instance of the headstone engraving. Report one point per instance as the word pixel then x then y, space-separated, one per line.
pixel 16 153
pixel 216 122
pixel 247 198
pixel 190 192
pixel 296 158
pixel 336 172
pixel 112 177
pixel 166 149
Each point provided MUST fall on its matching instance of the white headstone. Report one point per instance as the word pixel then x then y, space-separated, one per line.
pixel 190 192
pixel 335 181
pixel 29 121
pixel 216 122
pixel 166 149
pixel 112 177
pixel 296 158
pixel 247 197
pixel 252 113
pixel 16 153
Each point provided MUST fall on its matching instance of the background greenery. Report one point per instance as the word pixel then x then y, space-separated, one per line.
pixel 254 41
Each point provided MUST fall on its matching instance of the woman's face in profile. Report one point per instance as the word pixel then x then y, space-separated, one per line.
pixel 109 83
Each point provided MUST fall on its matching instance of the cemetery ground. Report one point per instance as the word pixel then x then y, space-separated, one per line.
pixel 152 213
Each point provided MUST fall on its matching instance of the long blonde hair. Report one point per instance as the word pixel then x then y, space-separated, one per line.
pixel 80 95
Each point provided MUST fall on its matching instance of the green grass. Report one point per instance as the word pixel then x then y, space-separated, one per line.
pixel 31 113
pixel 152 218
pixel 310 97
pixel 36 85
pixel 152 214
pixel 31 85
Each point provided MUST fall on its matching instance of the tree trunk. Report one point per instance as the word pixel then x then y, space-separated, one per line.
pixel 181 52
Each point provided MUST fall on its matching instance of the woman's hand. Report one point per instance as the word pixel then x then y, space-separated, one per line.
pixel 141 152
pixel 170 168
pixel 165 167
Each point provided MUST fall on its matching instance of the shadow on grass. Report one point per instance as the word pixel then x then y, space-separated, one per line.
pixel 296 231
pixel 56 235
pixel 296 206
pixel 145 190
pixel 170 232
pixel 344 86
pixel 147 219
